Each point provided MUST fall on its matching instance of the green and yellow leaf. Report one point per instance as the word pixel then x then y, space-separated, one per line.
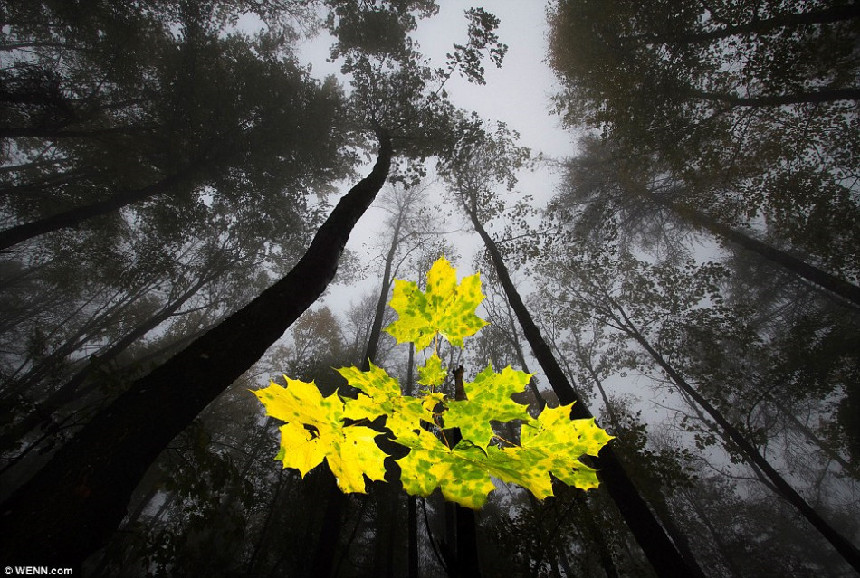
pixel 488 399
pixel 315 431
pixel 432 373
pixel 445 308
pixel 380 395
pixel 459 472
pixel 553 443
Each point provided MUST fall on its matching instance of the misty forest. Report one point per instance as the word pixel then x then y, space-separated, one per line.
pixel 178 187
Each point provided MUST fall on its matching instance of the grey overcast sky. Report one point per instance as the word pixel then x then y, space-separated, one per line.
pixel 518 94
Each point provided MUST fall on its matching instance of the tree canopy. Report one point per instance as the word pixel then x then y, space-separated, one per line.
pixel 193 219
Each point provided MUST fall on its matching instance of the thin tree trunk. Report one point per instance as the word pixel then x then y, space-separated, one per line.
pixel 76 216
pixel 518 349
pixel 376 327
pixel 658 548
pixel 274 505
pixel 80 496
pixel 51 182
pixel 657 501
pixel 849 552
pixel 810 435
pixel 66 392
pixel 412 503
pixel 596 533
pixel 823 279
pixel 49 133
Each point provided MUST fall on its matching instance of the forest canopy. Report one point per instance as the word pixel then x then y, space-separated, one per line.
pixel 178 189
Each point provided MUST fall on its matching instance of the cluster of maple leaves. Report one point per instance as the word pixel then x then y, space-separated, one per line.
pixel 336 428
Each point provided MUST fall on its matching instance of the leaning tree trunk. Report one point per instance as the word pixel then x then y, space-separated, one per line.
pixel 70 507
pixel 819 277
pixel 76 216
pixel 44 412
pixel 849 552
pixel 819 96
pixel 322 561
pixel 757 26
pixel 650 535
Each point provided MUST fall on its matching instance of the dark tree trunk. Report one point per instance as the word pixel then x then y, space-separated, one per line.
pixel 69 509
pixel 604 552
pixel 842 545
pixel 813 17
pixel 66 392
pixel 464 562
pixel 379 313
pixel 656 499
pixel 412 504
pixel 811 97
pixel 823 279
pixel 324 555
pixel 55 133
pixel 42 187
pixel 650 535
pixel 76 216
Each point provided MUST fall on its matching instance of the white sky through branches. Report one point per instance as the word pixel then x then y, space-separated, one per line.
pixel 517 94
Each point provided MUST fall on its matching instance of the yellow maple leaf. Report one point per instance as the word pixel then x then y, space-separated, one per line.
pixel 445 308
pixel 315 431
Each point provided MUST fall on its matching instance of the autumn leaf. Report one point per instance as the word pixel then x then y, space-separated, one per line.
pixel 488 399
pixel 459 472
pixel 445 308
pixel 432 373
pixel 332 428
pixel 380 395
pixel 315 431
pixel 551 444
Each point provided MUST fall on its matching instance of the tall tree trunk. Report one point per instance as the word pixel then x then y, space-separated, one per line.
pixel 412 503
pixel 76 216
pixel 379 314
pixel 593 529
pixel 656 499
pixel 324 555
pixel 823 446
pixel 849 552
pixel 80 496
pixel 521 358
pixel 56 133
pixel 650 535
pixel 823 279
pixel 464 562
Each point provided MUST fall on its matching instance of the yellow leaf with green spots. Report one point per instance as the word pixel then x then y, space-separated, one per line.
pixel 459 472
pixel 315 431
pixel 445 308
pixel 553 443
pixel 432 372
pixel 488 399
pixel 380 395
pixel 332 428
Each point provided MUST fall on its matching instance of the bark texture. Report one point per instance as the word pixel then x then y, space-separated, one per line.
pixel 69 509
pixel 650 535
